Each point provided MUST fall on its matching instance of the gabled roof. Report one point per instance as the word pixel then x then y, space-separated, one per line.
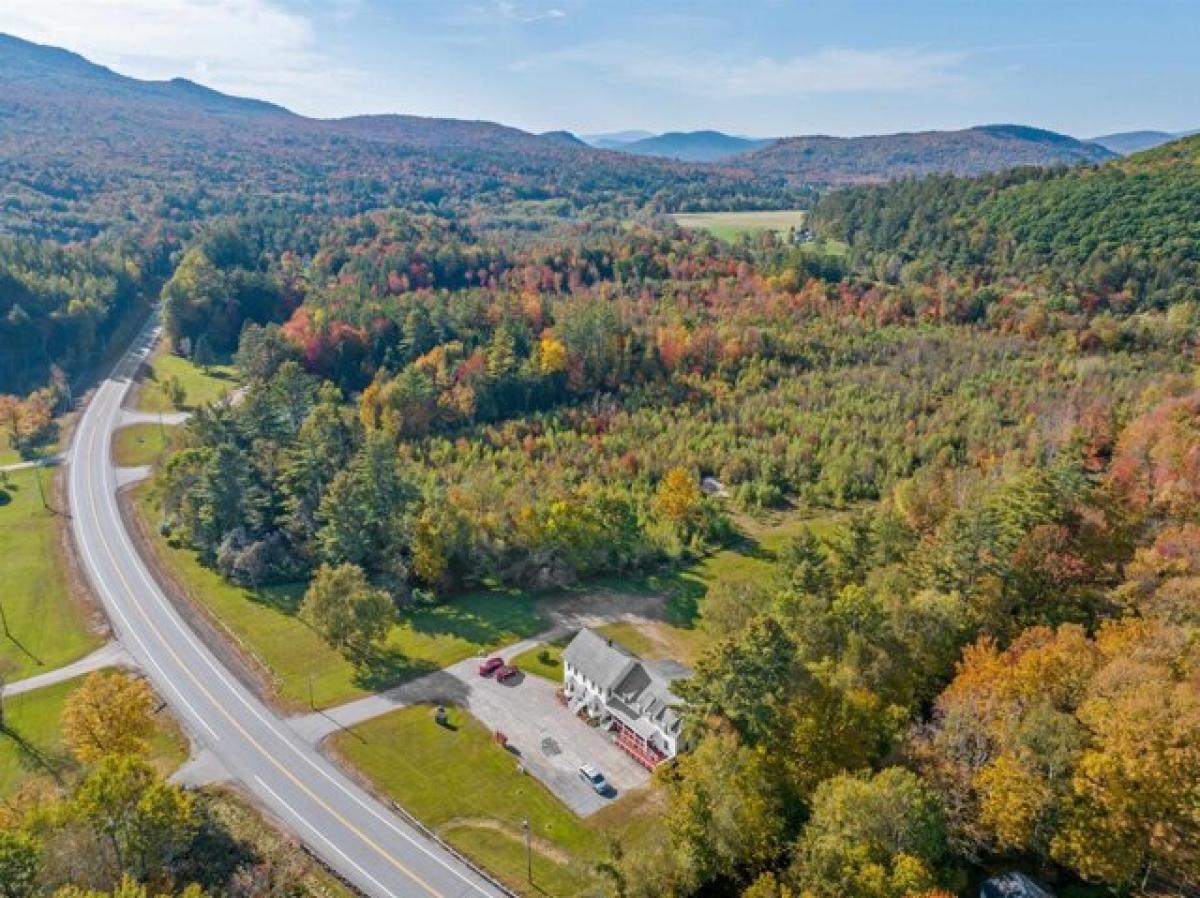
pixel 600 660
pixel 648 694
pixel 1013 885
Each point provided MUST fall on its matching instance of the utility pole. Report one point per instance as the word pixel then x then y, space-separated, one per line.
pixel 312 705
pixel 528 850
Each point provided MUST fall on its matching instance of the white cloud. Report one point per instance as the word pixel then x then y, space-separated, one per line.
pixel 832 70
pixel 505 11
pixel 250 47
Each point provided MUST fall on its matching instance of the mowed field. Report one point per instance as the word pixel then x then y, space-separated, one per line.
pixel 459 782
pixel 46 627
pixel 200 386
pixel 731 225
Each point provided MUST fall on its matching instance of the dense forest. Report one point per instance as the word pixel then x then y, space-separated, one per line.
pixel 103 178
pixel 1122 236
pixel 428 410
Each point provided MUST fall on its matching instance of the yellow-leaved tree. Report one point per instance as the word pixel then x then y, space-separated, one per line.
pixel 109 714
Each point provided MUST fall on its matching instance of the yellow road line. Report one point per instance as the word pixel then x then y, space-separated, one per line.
pixel 233 721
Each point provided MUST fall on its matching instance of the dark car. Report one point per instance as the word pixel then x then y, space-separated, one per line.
pixel 505 672
pixel 490 666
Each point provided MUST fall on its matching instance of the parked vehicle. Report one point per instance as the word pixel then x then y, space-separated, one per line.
pixel 490 666
pixel 595 779
pixel 505 672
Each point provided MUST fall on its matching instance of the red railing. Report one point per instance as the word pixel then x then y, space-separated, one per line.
pixel 640 750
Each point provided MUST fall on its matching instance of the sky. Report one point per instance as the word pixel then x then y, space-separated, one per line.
pixel 756 67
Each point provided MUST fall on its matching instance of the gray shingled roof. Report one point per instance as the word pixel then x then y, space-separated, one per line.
pixel 1013 885
pixel 601 660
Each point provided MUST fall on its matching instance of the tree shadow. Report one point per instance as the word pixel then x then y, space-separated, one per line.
pixel 215 855
pixel 385 667
pixel 25 651
pixel 487 620
pixel 285 598
pixel 36 759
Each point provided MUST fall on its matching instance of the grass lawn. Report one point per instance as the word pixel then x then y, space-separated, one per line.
pixel 548 667
pixel 34 716
pixel 8 455
pixel 266 624
pixel 48 627
pixel 199 385
pixel 141 444
pixel 458 782
pixel 731 225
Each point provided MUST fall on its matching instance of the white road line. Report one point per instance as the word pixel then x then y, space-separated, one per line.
pixel 128 626
pixel 107 406
pixel 276 727
pixel 321 836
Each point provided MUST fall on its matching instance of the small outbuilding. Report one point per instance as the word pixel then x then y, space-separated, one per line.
pixel 1013 884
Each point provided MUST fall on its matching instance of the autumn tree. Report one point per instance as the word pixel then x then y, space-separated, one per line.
pixel 142 823
pixel 728 813
pixel 108 714
pixel 877 836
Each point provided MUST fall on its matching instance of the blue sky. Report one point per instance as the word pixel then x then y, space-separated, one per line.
pixel 760 67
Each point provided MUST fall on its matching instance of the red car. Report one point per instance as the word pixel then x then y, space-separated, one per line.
pixel 490 666
pixel 505 672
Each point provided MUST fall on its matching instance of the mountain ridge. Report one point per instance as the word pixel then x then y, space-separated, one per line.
pixel 706 145
pixel 882 157
pixel 1126 142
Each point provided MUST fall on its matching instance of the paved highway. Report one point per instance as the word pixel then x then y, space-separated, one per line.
pixel 352 832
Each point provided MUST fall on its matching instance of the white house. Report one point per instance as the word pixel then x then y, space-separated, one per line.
pixel 617 688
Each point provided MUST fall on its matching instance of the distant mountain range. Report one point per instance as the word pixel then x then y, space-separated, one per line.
pixel 1128 142
pixel 972 151
pixel 695 146
pixel 845 160
pixel 83 149
pixel 615 140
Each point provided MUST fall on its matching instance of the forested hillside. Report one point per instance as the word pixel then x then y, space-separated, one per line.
pixel 1125 235
pixel 126 169
pixel 886 157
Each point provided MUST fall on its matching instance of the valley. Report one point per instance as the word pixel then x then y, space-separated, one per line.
pixel 400 506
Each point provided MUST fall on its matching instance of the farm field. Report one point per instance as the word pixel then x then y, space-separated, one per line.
pixel 46 627
pixel 460 783
pixel 731 225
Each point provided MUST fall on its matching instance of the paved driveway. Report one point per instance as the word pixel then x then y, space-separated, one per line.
pixel 549 741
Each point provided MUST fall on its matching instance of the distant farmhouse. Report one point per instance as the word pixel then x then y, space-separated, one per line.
pixel 615 687
pixel 1013 885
